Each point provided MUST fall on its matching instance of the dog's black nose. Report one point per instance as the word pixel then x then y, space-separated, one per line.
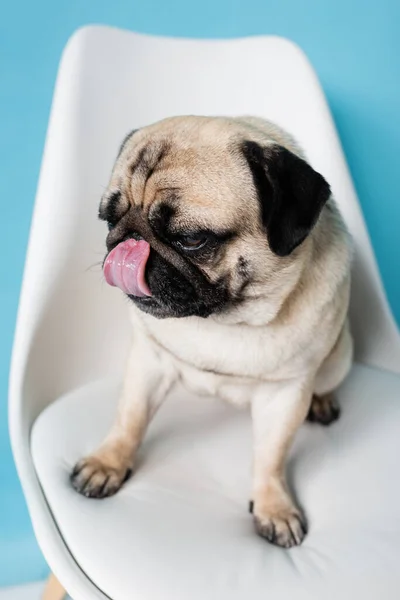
pixel 133 235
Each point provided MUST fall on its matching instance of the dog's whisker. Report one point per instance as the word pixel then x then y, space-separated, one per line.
pixel 94 266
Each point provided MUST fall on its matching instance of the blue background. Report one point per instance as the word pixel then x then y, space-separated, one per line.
pixel 355 48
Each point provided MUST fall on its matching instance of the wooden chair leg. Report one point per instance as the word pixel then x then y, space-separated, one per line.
pixel 53 590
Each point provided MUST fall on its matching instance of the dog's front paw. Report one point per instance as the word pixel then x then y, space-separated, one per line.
pixel 283 525
pixel 94 477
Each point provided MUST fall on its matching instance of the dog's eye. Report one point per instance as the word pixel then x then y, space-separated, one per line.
pixel 192 242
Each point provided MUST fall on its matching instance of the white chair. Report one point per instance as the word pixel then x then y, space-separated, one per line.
pixel 179 529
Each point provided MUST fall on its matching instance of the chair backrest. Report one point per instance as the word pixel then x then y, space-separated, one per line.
pixel 71 327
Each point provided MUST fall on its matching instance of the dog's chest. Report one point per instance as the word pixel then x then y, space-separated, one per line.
pixel 233 389
pixel 233 358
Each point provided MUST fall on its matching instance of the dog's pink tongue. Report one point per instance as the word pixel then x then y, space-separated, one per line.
pixel 125 267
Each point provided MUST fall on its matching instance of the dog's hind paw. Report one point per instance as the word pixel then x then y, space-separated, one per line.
pixel 324 410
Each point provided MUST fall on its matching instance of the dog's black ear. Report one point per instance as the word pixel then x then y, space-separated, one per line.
pixel 290 192
pixel 125 140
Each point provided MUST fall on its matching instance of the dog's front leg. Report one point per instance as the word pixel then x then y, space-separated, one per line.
pixel 278 409
pixel 147 381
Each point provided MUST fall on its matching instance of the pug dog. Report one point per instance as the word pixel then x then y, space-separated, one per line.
pixel 237 264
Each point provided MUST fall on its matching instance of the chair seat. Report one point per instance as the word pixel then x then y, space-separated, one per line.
pixel 180 528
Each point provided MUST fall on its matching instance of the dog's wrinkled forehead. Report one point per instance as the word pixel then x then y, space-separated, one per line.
pixel 195 166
